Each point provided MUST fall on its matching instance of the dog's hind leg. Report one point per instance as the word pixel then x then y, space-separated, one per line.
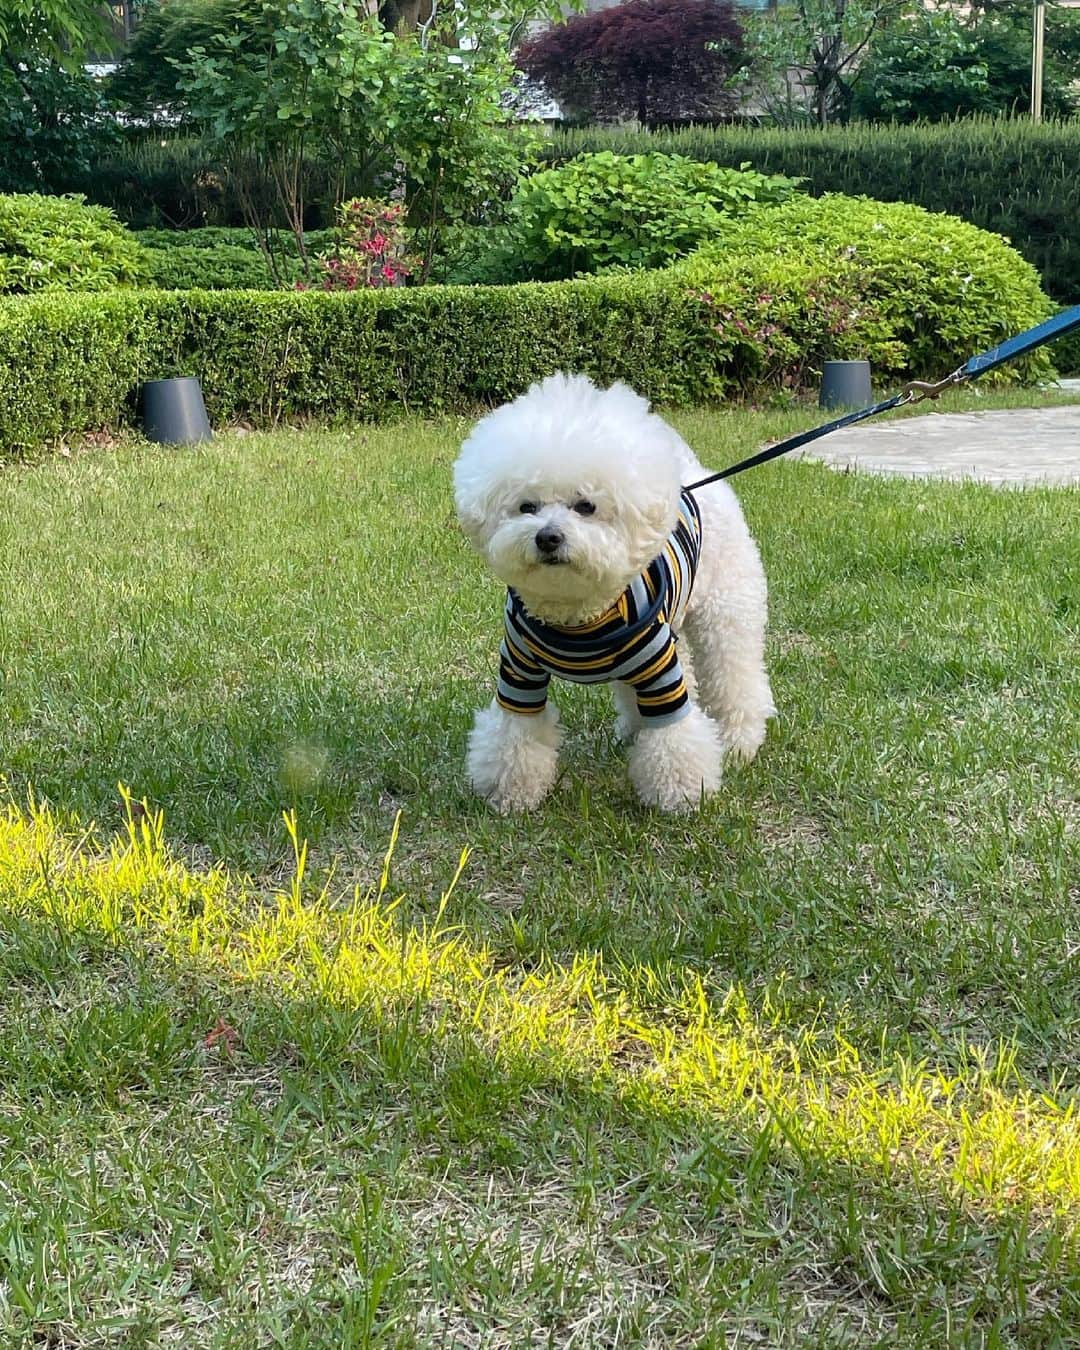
pixel 728 642
pixel 726 632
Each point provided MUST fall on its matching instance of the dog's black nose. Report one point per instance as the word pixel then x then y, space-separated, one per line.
pixel 549 540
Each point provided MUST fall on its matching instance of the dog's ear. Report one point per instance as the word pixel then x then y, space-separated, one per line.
pixel 661 515
pixel 652 512
pixel 472 522
pixel 474 502
pixel 657 499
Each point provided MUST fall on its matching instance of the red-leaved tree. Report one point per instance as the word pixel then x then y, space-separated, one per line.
pixel 660 61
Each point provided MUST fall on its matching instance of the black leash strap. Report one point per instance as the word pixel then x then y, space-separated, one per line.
pixel 914 392
pixel 803 438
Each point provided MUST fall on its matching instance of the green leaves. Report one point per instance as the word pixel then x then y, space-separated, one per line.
pixel 931 65
pixel 287 79
pixel 783 289
pixel 58 30
pixel 59 243
pixel 603 210
pixel 915 293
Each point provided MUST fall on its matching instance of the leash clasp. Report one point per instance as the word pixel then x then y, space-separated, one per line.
pixel 917 390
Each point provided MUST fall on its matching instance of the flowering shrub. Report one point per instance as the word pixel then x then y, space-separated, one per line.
pixel 370 250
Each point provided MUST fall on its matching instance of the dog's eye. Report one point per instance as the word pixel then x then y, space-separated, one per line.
pixel 528 508
pixel 584 508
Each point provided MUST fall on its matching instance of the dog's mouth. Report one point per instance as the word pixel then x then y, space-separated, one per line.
pixel 553 560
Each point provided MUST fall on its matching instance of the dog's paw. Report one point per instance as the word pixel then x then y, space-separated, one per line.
pixel 626 728
pixel 513 760
pixel 673 768
pixel 743 733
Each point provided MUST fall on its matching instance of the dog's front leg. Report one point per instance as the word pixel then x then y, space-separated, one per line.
pixel 673 767
pixel 513 758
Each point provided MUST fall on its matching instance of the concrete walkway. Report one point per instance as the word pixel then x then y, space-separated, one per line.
pixel 1022 445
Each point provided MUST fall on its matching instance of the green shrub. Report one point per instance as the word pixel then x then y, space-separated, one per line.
pixel 931 64
pixel 224 268
pixel 1014 178
pixel 219 258
pixel 1065 354
pixel 758 312
pixel 53 124
pixel 148 181
pixel 891 282
pixel 75 362
pixel 606 210
pixel 214 236
pixel 59 243
pixel 477 255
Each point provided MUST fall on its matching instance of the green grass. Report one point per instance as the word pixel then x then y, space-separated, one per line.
pixel 800 1070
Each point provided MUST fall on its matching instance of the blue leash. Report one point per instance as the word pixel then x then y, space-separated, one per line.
pixel 917 390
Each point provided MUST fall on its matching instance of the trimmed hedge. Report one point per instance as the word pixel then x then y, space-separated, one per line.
pixel 217 258
pixel 1065 354
pixel 224 268
pixel 894 283
pixel 234 236
pixel 75 362
pixel 1014 178
pixel 741 318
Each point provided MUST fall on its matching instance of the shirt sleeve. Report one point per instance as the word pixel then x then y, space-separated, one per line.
pixel 659 684
pixel 523 683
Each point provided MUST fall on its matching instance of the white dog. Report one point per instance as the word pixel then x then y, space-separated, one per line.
pixel 573 495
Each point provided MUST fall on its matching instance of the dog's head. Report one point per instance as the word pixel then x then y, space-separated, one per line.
pixel 569 492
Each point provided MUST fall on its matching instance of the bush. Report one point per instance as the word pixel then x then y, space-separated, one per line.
pixel 180 183
pixel 54 126
pixel 75 363
pixel 930 64
pixel 150 182
pixel 752 314
pixel 218 236
pixel 370 248
pixel 224 268
pixel 1017 178
pixel 889 282
pixel 217 258
pixel 605 210
pixel 477 255
pixel 60 243
pixel 1065 354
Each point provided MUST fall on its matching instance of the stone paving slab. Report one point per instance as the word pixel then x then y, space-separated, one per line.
pixel 1021 445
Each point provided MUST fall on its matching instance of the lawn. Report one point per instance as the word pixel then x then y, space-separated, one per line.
pixel 390 1070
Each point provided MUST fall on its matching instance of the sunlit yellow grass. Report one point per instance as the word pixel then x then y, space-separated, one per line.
pixel 979 1134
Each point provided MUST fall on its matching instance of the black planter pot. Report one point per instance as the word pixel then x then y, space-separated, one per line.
pixel 845 384
pixel 174 412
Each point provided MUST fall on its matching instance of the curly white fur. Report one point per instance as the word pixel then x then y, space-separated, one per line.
pixel 565 441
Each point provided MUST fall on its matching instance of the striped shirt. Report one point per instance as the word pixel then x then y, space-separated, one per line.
pixel 632 641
